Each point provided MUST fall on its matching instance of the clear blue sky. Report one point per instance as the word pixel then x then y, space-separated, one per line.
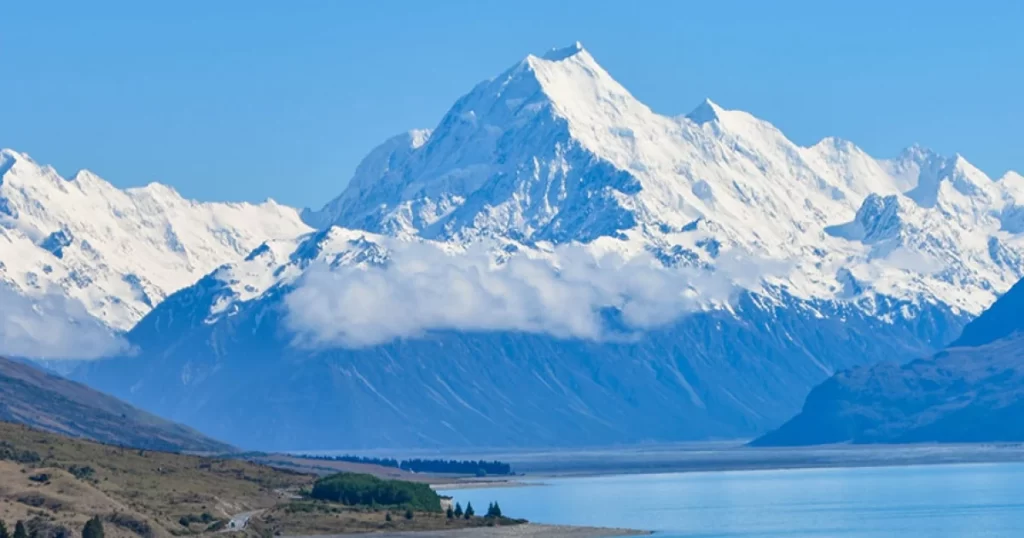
pixel 232 100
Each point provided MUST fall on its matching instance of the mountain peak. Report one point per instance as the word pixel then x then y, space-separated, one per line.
pixel 84 176
pixel 1011 177
pixel 559 54
pixel 707 111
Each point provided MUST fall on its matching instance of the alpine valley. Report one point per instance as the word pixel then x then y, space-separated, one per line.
pixel 554 264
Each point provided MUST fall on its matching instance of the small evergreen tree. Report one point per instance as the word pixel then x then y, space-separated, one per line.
pixel 387 516
pixel 493 510
pixel 408 514
pixel 469 510
pixel 458 511
pixel 3 530
pixel 19 530
pixel 93 528
pixel 450 513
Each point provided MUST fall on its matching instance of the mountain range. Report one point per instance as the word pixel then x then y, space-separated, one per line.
pixel 554 263
pixel 971 392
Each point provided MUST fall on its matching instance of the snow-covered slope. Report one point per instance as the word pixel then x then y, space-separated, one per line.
pixel 554 149
pixel 118 252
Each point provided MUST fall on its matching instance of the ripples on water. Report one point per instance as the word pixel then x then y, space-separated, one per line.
pixel 937 501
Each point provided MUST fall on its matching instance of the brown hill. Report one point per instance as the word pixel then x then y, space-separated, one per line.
pixel 31 396
pixel 56 483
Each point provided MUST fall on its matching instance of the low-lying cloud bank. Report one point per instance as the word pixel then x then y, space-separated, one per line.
pixel 424 289
pixel 52 327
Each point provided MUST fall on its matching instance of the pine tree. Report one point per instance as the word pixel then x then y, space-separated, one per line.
pixel 458 511
pixel 3 530
pixel 19 530
pixel 469 510
pixel 387 516
pixel 493 510
pixel 93 528
pixel 408 514
pixel 450 513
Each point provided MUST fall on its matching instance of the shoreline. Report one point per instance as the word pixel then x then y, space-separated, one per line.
pixel 537 467
pixel 480 484
pixel 526 530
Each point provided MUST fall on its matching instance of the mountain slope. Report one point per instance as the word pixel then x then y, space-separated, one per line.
pixel 557 264
pixel 223 356
pixel 1001 320
pixel 88 251
pixel 48 402
pixel 972 392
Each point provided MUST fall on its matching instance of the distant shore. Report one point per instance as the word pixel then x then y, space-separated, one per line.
pixel 528 530
pixel 516 482
pixel 714 457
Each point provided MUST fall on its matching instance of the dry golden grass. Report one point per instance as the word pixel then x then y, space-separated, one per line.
pixel 154 488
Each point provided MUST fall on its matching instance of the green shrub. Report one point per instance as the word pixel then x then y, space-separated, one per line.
pixel 366 490
pixel 11 453
pixel 81 472
pixel 93 528
pixel 134 525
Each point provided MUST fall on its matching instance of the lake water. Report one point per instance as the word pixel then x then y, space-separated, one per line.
pixel 979 501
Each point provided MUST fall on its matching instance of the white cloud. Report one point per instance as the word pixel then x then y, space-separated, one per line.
pixel 424 289
pixel 51 327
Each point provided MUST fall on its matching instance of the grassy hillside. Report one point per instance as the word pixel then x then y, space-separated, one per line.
pixel 31 396
pixel 57 481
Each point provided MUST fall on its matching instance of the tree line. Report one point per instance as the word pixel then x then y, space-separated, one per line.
pixel 493 511
pixel 418 465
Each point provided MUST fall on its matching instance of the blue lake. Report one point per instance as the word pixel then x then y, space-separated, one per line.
pixel 978 500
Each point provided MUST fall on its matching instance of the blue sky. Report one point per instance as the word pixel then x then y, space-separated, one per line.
pixel 232 100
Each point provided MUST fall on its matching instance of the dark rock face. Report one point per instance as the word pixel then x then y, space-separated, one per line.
pixel 1002 319
pixel 711 375
pixel 974 391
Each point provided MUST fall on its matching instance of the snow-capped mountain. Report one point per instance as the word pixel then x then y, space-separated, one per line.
pixel 116 253
pixel 554 149
pixel 789 263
